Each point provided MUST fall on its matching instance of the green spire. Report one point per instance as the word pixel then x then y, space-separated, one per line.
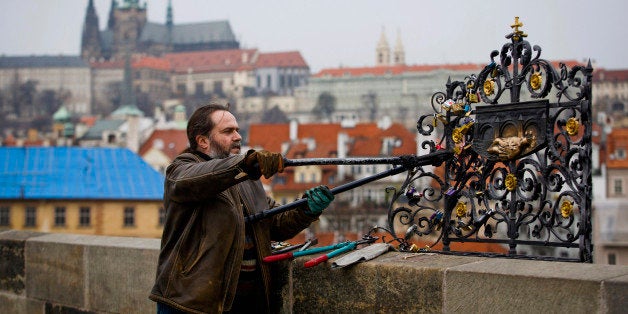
pixel 61 115
pixel 169 21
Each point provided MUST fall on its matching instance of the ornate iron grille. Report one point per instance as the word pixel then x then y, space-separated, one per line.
pixel 521 171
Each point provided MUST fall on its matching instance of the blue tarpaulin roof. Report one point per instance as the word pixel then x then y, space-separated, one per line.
pixel 77 173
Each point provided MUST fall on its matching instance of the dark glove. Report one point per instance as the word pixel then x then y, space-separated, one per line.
pixel 264 162
pixel 318 198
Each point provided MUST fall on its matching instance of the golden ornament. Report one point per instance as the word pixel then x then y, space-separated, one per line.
pixel 511 182
pixel 461 209
pixel 566 209
pixel 536 80
pixel 572 126
pixel 489 87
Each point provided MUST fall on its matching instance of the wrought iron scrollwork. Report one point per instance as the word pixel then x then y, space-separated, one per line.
pixel 521 172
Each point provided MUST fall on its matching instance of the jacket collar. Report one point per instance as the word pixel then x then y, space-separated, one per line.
pixel 201 155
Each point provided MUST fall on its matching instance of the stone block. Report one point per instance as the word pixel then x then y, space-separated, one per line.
pixel 55 269
pixel 12 260
pixel 282 288
pixel 122 269
pixel 392 283
pixel 615 294
pixel 500 285
pixel 12 303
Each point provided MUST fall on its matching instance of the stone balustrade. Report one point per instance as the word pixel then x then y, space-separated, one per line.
pixel 68 273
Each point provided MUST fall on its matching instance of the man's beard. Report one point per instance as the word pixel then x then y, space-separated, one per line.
pixel 219 152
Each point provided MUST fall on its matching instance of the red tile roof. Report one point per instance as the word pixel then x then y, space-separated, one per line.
pixel 602 75
pixel 395 70
pixel 152 63
pixel 400 69
pixel 142 62
pixel 268 136
pixel 617 139
pixel 174 142
pixel 213 60
pixel 367 138
pixel 288 59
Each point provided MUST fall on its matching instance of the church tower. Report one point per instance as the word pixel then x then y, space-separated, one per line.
pixel 129 20
pixel 399 55
pixel 382 51
pixel 90 39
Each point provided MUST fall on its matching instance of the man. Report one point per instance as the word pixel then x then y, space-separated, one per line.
pixel 210 260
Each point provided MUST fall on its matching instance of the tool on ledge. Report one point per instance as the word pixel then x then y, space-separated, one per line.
pixel 288 255
pixel 301 246
pixel 346 248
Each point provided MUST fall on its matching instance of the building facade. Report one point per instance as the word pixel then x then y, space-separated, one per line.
pixel 99 191
pixel 68 76
pixel 366 94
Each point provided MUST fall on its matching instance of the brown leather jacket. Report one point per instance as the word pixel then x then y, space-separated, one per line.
pixel 203 236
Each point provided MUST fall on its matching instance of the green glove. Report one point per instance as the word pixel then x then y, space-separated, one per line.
pixel 318 198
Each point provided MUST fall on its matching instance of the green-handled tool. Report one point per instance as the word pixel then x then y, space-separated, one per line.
pixel 288 255
pixel 346 248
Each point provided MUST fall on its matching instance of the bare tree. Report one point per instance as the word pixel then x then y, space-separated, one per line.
pixel 274 116
pixel 325 105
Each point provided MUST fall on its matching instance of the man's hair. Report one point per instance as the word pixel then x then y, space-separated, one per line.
pixel 200 123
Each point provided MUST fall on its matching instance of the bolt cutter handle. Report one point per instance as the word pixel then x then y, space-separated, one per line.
pixel 288 255
pixel 315 261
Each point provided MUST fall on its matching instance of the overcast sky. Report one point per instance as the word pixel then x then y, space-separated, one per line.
pixel 332 33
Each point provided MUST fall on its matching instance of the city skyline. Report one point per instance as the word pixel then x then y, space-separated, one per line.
pixel 331 34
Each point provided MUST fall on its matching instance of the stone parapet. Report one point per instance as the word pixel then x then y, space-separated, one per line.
pixel 68 273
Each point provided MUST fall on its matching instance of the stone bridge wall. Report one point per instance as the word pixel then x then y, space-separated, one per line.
pixel 67 273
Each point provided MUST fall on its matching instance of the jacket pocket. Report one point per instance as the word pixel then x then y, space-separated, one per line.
pixel 189 247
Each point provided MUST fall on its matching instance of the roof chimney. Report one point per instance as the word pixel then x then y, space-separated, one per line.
pixel 341 150
pixel 294 128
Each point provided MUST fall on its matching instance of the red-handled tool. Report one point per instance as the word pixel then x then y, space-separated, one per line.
pixel 288 255
pixel 323 258
pixel 346 248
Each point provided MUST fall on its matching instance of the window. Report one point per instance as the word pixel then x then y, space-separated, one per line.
pixel 59 216
pixel 612 259
pixel 181 89
pixel 301 177
pixel 162 216
pixel 4 216
pixel 85 218
pixel 618 187
pixel 129 216
pixel 30 219
pixel 218 87
pixel 620 153
pixel 268 81
pixel 331 180
pixel 199 91
pixel 313 177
